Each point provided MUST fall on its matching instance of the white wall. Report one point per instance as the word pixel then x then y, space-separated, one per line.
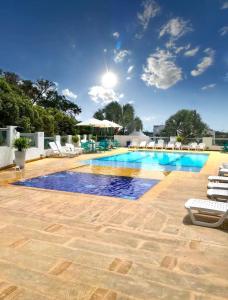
pixel 7 152
pixel 123 139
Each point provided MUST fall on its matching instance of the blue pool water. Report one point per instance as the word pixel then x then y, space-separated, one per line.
pixel 103 185
pixel 154 160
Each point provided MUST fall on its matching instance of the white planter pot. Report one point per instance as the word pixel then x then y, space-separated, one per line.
pixel 20 159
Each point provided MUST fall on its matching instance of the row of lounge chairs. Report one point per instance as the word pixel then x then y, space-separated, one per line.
pixel 68 150
pixel 218 206
pixel 171 145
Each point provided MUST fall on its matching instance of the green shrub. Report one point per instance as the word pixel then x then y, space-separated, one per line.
pixel 75 139
pixel 180 139
pixel 22 143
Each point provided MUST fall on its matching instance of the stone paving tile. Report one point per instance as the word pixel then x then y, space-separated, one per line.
pixel 58 245
pixel 48 285
pixel 122 283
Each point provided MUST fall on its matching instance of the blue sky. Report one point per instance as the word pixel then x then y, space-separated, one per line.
pixel 167 55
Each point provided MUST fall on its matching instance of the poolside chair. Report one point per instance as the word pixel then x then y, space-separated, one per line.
pixel 218 194
pixel 185 147
pixel 218 179
pixel 208 208
pixel 224 166
pixel 55 150
pixel 142 144
pixel 223 172
pixel 151 145
pixel 218 185
pixel 170 145
pixel 160 144
pixel 133 144
pixel 193 146
pixel 64 150
pixel 178 145
pixel 201 146
pixel 72 148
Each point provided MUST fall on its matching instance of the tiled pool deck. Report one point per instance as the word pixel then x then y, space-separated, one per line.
pixel 58 245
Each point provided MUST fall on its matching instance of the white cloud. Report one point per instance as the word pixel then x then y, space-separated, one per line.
pixel 128 78
pixel 131 102
pixel 205 63
pixel 172 46
pixel 225 5
pixel 121 95
pixel 150 10
pixel 103 96
pixel 176 28
pixel 116 35
pixel 192 52
pixel 161 70
pixel 223 31
pixel 209 86
pixel 130 69
pixel 119 56
pixel 69 94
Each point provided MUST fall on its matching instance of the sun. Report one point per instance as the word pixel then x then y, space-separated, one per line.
pixel 109 80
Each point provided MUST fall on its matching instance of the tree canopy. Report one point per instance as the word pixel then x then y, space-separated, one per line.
pixel 35 106
pixel 120 114
pixel 185 123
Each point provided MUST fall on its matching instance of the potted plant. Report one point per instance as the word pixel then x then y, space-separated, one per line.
pixel 21 144
pixel 75 140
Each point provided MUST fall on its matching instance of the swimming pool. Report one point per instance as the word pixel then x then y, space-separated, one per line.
pixel 154 160
pixel 104 185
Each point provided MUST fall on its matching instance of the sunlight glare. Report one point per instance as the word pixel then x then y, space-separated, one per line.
pixel 109 80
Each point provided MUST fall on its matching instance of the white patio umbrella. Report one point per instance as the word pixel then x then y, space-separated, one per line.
pixel 110 124
pixel 92 123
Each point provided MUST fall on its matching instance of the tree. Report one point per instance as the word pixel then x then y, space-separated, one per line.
pixel 35 106
pixel 185 123
pixel 99 114
pixel 123 115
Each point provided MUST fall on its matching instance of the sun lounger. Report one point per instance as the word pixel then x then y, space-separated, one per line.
pixel 217 185
pixel 223 172
pixel 170 145
pixel 133 144
pixel 218 179
pixel 185 147
pixel 72 148
pixel 218 194
pixel 207 207
pixel 142 144
pixel 151 145
pixel 54 149
pixel 201 146
pixel 160 144
pixel 178 145
pixel 65 150
pixel 193 146
pixel 224 166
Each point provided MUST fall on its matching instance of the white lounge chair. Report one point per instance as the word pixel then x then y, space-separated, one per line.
pixel 218 179
pixel 218 194
pixel 178 145
pixel 170 145
pixel 54 149
pixel 142 144
pixel 151 145
pixel 65 151
pixel 201 146
pixel 72 148
pixel 217 185
pixel 224 166
pixel 133 144
pixel 185 147
pixel 193 146
pixel 223 172
pixel 160 144
pixel 207 207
